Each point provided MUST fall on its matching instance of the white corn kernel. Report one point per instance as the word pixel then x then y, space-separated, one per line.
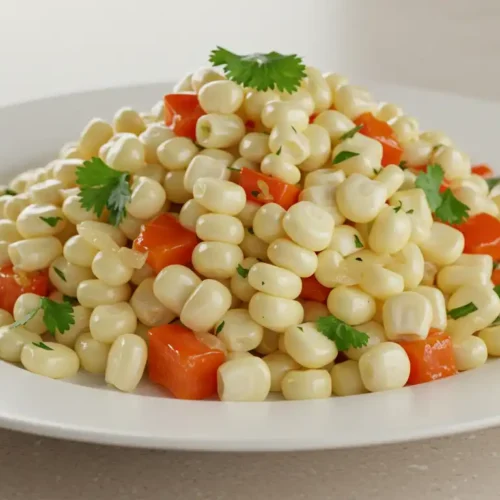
pixel 198 79
pixel 274 281
pixel 219 196
pixel 306 384
pixel 126 154
pixel 381 283
pixel 308 225
pixel 221 96
pixel 455 164
pixel 204 166
pixel 360 199
pixel 346 379
pixel 491 337
pixel 354 101
pixel 389 112
pixel 351 305
pixel 450 278
pixel 12 341
pixel 151 138
pixel 414 203
pixel 190 212
pixel 79 252
pixel 109 268
pixel 215 259
pixel 409 263
pixel 292 144
pixel 15 205
pixel 317 86
pixel 126 362
pixel 173 286
pixel 220 155
pixel 147 307
pixel 255 102
pixel 101 235
pixel 220 227
pixel 56 362
pixel 324 197
pixel 267 222
pixel 335 123
pixel 284 113
pixel 406 129
pixel 436 138
pixel 174 187
pixel 346 240
pixel 24 305
pixel 46 192
pixel 5 318
pixel 240 287
pixel 376 334
pixel 487 303
pixel 108 322
pixel 147 199
pixel 215 130
pixel 247 214
pixel 66 276
pixel 252 246
pixel 92 293
pixel 324 176
pixel 239 331
pixel 128 120
pixel 279 365
pixel 417 153
pixel 469 353
pixel 407 316
pixel 367 159
pixel 436 299
pixel 8 230
pixel 287 254
pixel 34 254
pixel 176 153
pixel 275 313
pixel 444 244
pixel 254 146
pixel 390 231
pixel 308 346
pixel 332 270
pixel 93 354
pixel 278 167
pixel 243 379
pixel 385 366
pixel 205 306
pixel 335 81
pixel 269 343
pixel 96 133
pixel 392 177
pixel 81 315
pixel 301 98
pixel 320 148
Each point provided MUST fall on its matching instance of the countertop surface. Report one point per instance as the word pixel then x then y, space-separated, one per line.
pixel 58 46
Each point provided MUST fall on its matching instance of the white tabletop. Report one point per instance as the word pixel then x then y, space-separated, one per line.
pixel 60 46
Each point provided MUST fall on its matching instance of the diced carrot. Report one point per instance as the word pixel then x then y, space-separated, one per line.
pixel 181 363
pixel 182 111
pixel 263 189
pixel 312 289
pixel 483 170
pixel 13 284
pixel 431 358
pixel 495 277
pixel 482 235
pixel 382 132
pixel 166 241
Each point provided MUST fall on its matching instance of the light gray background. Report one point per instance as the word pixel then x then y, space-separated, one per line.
pixel 62 46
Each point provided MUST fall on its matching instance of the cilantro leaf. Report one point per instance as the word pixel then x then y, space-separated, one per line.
pixel 491 182
pixel 233 169
pixel 279 151
pixel 220 327
pixel 403 164
pixel 497 290
pixel 261 71
pixel 255 193
pixel 57 316
pixel 243 272
pixel 343 156
pixel 445 206
pixel 10 192
pixel 351 133
pixel 344 335
pixel 51 221
pixel 70 300
pixel 460 312
pixel 451 209
pixel 59 273
pixel 377 171
pixel 41 345
pixel 399 207
pixel 357 242
pixel 430 183
pixel 102 187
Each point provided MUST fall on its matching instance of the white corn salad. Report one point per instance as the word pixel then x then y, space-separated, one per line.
pixel 238 242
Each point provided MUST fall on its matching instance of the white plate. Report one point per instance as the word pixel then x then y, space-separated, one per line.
pixel 84 409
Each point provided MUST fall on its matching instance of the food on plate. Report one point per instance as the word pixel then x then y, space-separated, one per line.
pixel 264 228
